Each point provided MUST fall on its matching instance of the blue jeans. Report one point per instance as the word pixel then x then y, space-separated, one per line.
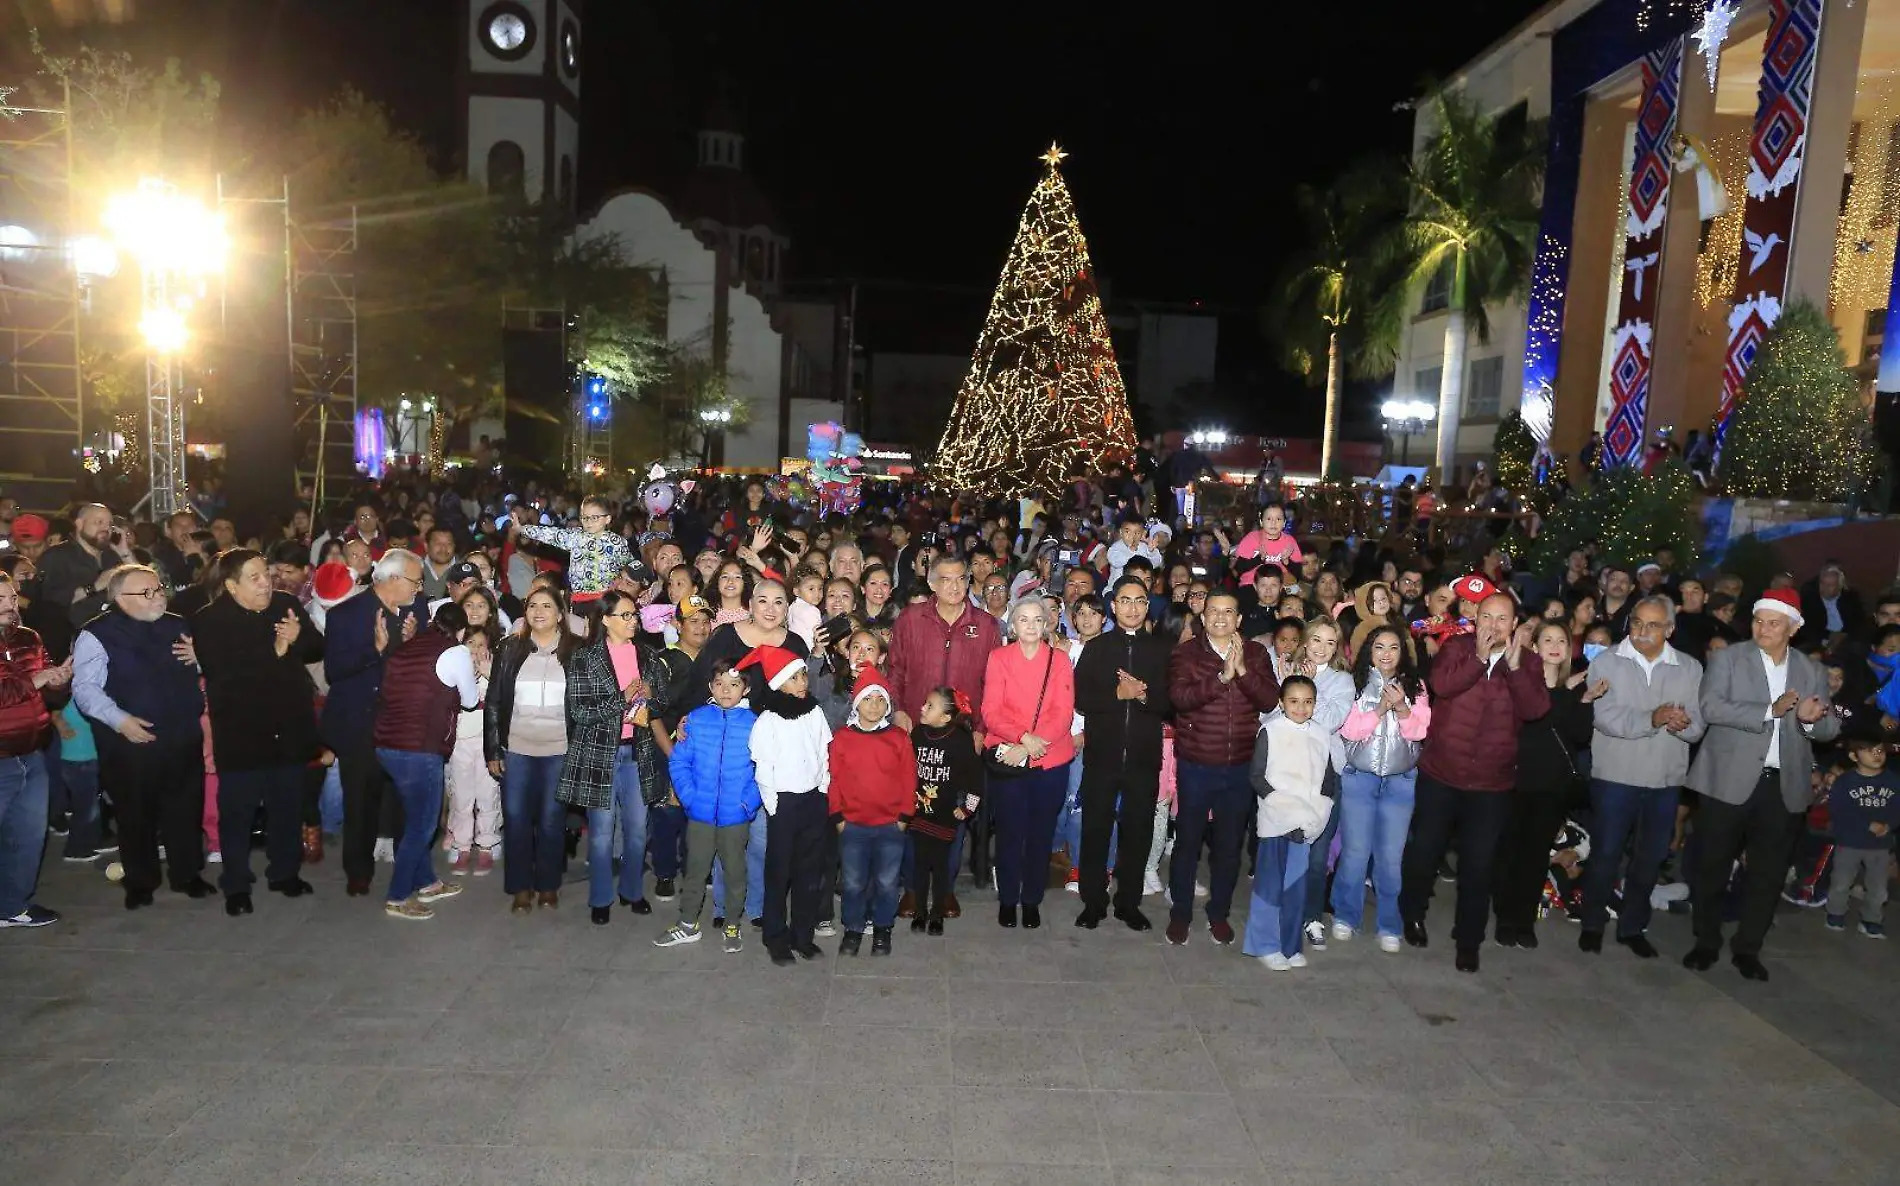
pixel 330 801
pixel 869 858
pixel 666 839
pixel 1374 814
pixel 1620 810
pixel 533 854
pixel 631 810
pixel 1319 848
pixel 418 780
pixel 81 783
pixel 754 873
pixel 22 829
pixel 1224 794
pixel 1025 812
pixel 1279 897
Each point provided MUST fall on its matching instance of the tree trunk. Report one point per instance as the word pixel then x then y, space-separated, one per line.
pixel 1451 391
pixel 1329 443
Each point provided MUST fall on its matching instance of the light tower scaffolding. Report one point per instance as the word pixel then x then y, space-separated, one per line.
pixel 41 418
pixel 323 355
pixel 593 449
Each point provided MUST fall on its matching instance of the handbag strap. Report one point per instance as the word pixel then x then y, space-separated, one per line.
pixel 1043 691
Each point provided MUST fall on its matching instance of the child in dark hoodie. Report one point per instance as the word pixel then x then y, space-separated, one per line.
pixel 873 792
pixel 949 788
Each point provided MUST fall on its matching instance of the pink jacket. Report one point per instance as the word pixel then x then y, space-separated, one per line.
pixel 1011 684
pixel 1361 722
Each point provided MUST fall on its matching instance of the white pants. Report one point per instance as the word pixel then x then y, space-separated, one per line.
pixel 474 798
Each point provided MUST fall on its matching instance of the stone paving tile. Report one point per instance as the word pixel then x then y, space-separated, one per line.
pixel 317 1042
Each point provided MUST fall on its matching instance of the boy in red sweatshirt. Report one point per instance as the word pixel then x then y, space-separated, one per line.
pixel 873 792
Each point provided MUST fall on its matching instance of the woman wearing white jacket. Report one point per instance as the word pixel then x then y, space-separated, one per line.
pixel 1381 737
pixel 1322 659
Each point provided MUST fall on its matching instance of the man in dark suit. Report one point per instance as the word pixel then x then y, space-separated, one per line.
pixel 1831 611
pixel 1765 703
pixel 357 635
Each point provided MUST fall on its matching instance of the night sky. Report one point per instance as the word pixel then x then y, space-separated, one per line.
pixel 899 142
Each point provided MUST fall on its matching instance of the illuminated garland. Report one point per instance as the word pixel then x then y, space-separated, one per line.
pixel 1864 241
pixel 1044 398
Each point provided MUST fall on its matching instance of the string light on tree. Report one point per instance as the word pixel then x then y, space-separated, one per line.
pixel 1044 397
pixel 1712 34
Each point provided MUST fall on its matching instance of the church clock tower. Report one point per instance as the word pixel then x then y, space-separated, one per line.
pixel 521 85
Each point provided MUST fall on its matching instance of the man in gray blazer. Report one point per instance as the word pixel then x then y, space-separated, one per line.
pixel 1764 703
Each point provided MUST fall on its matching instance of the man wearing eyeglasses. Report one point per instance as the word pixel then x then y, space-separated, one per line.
pixel 357 635
pixel 1121 690
pixel 366 524
pixel 595 554
pixel 1646 721
pixel 135 676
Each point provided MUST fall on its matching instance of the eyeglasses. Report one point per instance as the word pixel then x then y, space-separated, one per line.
pixel 146 593
pixel 1197 597
pixel 1132 600
pixel 625 615
pixel 595 518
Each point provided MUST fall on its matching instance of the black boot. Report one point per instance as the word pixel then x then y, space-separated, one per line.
pixel 917 925
pixel 850 943
pixel 295 887
pixel 880 940
pixel 1006 916
pixel 236 904
pixel 1416 935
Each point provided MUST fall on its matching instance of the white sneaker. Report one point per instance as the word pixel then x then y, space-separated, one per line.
pixel 1296 960
pixel 1200 891
pixel 1151 884
pixel 824 930
pixel 1341 932
pixel 1275 961
pixel 677 934
pixel 1390 944
pixel 385 851
pixel 214 858
pixel 1316 935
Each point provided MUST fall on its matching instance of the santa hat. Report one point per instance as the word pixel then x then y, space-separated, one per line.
pixel 1781 601
pixel 869 682
pixel 332 583
pixel 778 664
pixel 1473 588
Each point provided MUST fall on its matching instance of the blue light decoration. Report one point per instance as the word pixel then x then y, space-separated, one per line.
pixel 1585 52
pixel 371 441
pixel 596 412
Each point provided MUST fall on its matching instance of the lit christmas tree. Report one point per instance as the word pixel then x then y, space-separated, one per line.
pixel 1044 398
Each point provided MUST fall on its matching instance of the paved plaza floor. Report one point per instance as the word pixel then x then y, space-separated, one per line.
pixel 319 1042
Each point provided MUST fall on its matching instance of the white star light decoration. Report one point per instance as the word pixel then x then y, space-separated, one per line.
pixel 1713 33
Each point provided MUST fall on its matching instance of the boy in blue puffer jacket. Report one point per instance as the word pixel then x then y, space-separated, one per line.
pixel 714 781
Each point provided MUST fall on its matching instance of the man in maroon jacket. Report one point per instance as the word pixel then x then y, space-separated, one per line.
pixel 946 642
pixel 1484 686
pixel 1219 684
pixel 24 723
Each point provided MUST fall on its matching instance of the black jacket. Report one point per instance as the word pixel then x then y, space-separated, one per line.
pixel 1122 734
pixel 500 698
pixel 65 570
pixel 1552 746
pixel 1814 614
pixel 263 706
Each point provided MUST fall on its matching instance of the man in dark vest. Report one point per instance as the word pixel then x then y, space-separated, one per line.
pixel 356 636
pixel 135 676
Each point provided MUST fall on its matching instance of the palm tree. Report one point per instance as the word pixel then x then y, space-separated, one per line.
pixel 1333 290
pixel 1475 198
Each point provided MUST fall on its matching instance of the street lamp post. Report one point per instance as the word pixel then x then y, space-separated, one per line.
pixel 713 422
pixel 177 242
pixel 1403 417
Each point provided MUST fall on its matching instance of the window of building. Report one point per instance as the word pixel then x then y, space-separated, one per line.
pixel 1437 290
pixel 1484 385
pixel 1425 383
pixel 507 169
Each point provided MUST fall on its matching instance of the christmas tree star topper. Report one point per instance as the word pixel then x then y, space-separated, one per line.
pixel 1055 155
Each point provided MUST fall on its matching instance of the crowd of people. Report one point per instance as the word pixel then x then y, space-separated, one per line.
pixel 821 722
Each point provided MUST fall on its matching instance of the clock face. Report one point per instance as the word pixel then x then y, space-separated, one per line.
pixel 507 31
pixel 570 49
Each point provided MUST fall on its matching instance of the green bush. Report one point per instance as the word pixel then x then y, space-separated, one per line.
pixel 1628 515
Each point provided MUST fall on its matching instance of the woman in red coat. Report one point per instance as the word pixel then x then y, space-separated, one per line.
pixel 1028 705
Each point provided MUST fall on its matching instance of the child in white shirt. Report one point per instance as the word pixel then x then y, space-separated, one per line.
pixel 1290 758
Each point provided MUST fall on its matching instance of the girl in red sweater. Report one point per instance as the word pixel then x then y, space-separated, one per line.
pixel 873 792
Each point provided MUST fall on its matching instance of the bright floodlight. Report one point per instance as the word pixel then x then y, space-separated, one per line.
pixel 94 255
pixel 164 330
pixel 1409 409
pixel 16 241
pixel 167 231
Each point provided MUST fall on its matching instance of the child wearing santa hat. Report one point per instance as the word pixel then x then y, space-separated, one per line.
pixel 790 750
pixel 873 791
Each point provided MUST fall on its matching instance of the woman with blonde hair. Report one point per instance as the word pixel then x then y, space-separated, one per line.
pixel 1322 659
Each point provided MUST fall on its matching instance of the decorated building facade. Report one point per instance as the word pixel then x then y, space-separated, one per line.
pixel 1709 162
